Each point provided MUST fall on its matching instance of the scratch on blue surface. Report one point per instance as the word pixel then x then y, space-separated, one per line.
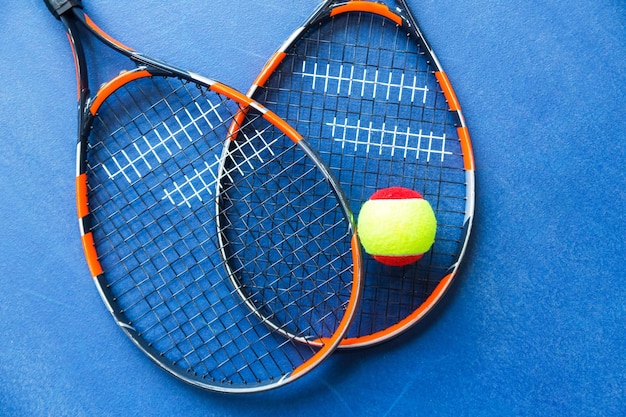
pixel 45 298
pixel 250 53
pixel 398 398
pixel 337 394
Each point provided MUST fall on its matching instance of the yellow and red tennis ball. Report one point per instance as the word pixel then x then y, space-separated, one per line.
pixel 397 226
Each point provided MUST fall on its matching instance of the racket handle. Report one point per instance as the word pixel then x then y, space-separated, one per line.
pixel 60 7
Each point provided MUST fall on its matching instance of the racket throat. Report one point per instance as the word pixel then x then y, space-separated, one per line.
pixel 60 7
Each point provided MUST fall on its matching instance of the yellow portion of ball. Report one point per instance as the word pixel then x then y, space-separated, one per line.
pixel 401 227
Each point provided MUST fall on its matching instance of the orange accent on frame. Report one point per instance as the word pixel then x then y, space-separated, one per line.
pixel 90 254
pixel 242 99
pixel 466 146
pixel 81 196
pixel 113 85
pixel 105 35
pixel 355 296
pixel 363 6
pixel 269 68
pixel 412 318
pixel 283 126
pixel 244 102
pixel 444 82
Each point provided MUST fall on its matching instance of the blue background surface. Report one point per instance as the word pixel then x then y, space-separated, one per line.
pixel 533 326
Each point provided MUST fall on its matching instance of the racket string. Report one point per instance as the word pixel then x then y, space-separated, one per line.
pixel 252 171
pixel 361 90
pixel 153 212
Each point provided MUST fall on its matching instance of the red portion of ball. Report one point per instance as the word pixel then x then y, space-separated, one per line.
pixel 395 193
pixel 397 260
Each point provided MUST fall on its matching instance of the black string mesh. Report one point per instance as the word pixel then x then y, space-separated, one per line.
pixel 363 92
pixel 230 281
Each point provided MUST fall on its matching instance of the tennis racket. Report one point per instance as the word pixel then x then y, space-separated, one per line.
pixel 359 80
pixel 176 203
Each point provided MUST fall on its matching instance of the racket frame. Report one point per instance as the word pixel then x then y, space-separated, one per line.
pixel 70 13
pixel 401 16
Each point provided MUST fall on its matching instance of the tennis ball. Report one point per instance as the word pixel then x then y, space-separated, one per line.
pixel 397 226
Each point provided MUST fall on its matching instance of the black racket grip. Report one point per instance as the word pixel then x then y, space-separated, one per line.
pixel 59 7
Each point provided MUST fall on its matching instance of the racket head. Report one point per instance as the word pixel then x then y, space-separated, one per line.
pixel 149 200
pixel 359 80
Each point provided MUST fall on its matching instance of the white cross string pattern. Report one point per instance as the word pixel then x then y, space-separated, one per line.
pixel 395 140
pixel 158 146
pixel 193 186
pixel 357 80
